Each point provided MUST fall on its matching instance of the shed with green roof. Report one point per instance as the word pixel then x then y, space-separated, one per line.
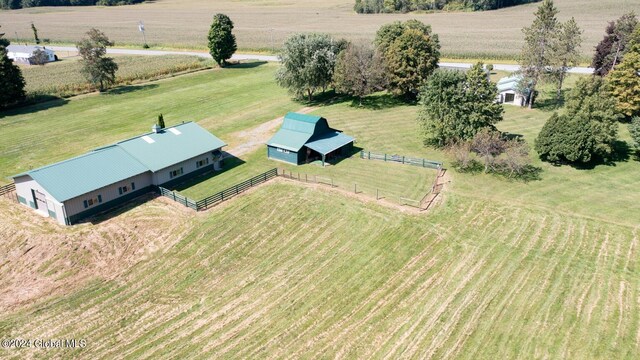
pixel 305 138
pixel 73 189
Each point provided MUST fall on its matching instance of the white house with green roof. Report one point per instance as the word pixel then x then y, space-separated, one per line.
pixel 304 138
pixel 74 189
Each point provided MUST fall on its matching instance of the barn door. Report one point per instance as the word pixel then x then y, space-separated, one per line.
pixel 41 201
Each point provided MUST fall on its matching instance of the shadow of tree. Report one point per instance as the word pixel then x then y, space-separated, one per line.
pixel 129 89
pixel 246 65
pixel 34 104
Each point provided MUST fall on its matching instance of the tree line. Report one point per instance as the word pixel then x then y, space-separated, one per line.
pixel 18 4
pixel 403 6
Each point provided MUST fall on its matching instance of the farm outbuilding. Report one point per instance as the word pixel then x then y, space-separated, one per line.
pixel 74 189
pixel 304 138
pixel 508 93
pixel 24 53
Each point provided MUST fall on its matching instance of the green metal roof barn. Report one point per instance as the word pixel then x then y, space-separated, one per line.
pixel 304 138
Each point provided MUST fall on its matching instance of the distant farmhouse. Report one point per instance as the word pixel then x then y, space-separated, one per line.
pixel 76 188
pixel 23 54
pixel 507 89
pixel 304 138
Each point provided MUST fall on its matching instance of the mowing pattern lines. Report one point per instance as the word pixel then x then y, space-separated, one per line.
pixel 312 275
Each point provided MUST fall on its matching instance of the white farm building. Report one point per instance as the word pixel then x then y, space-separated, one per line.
pixel 74 189
pixel 23 54
pixel 507 91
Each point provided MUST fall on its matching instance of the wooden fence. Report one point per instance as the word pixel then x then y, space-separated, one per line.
pixel 178 198
pixel 217 198
pixel 401 159
pixel 7 189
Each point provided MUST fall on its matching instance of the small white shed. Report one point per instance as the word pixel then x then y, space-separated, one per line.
pixel 24 53
pixel 507 91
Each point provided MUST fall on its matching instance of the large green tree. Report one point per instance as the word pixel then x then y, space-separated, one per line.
pixel 307 63
pixel 565 52
pixel 587 129
pixel 455 106
pixel 97 69
pixel 537 52
pixel 222 42
pixel 11 80
pixel 624 80
pixel 359 71
pixel 411 52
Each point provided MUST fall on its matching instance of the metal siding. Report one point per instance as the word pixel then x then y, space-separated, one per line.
pixel 188 166
pixel 24 185
pixel 109 193
pixel 292 157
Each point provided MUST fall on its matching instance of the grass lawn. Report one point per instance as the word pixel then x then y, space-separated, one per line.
pixel 392 181
pixel 501 269
pixel 219 100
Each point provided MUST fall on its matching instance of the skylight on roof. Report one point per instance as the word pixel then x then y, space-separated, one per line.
pixel 148 139
pixel 175 131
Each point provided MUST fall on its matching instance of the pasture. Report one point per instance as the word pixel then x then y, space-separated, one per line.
pixel 500 269
pixel 263 25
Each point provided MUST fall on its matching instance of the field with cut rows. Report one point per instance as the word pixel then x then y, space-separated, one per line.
pixel 498 269
pixel 292 272
pixel 63 79
pixel 263 25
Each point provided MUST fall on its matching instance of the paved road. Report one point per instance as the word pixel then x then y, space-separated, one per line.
pixel 503 67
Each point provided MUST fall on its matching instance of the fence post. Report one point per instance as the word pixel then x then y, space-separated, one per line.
pixel 331 182
pixel 355 188
pixel 377 197
pixel 251 181
pixel 403 159
pixel 422 162
pixel 369 155
pixel 174 195
pixel 306 178
pixel 298 176
pixel 385 157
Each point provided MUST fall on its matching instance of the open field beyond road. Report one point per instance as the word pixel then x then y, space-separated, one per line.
pixel 499 269
pixel 263 25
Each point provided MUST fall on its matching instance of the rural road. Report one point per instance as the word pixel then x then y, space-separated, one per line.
pixel 502 67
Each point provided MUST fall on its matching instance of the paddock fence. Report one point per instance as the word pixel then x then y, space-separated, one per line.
pixel 230 192
pixel 7 189
pixel 177 197
pixel 370 155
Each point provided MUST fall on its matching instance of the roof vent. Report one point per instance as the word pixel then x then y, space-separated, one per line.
pixel 156 128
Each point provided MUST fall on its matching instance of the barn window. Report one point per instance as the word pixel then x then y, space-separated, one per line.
pixel 509 98
pixel 123 189
pixel 133 186
pixel 99 198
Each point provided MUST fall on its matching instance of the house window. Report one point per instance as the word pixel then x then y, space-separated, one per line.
pixel 175 173
pixel 202 162
pixel 92 201
pixel 133 186
pixel 123 189
pixel 509 98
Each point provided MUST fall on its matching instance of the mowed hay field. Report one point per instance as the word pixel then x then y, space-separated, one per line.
pixel 499 269
pixel 263 25
pixel 290 272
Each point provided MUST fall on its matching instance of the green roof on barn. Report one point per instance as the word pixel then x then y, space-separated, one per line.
pixel 107 165
pixel 329 142
pixel 91 171
pixel 296 131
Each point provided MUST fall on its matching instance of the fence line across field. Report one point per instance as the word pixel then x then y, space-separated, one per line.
pixel 369 155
